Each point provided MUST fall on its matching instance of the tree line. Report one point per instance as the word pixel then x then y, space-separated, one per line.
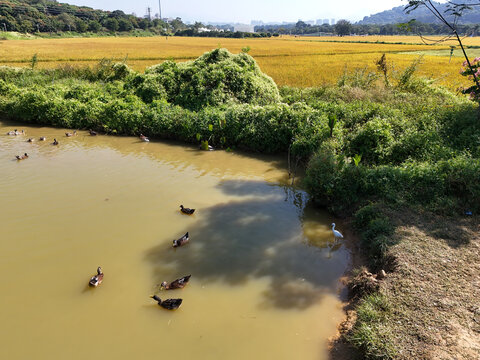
pixel 344 27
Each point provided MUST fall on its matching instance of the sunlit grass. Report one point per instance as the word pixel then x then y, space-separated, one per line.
pixel 294 61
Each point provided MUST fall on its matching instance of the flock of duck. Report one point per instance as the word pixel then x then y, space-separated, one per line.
pixel 95 280
pixel 55 141
pixel 169 304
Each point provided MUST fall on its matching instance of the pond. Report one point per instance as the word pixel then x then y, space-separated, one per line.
pixel 264 264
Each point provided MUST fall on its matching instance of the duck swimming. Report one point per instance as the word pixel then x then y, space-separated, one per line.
pixel 176 284
pixel 169 304
pixel 182 241
pixel 96 279
pixel 31 140
pixel 69 134
pixel 13 132
pixel 55 142
pixel 187 211
pixel 23 157
pixel 93 133
pixel 144 138
pixel 43 138
pixel 19 132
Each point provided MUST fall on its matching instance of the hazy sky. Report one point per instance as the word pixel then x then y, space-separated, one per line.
pixel 245 10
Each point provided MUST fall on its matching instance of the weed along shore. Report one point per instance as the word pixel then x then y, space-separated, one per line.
pixel 396 156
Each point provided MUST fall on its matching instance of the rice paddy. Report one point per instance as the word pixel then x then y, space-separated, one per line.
pixel 294 61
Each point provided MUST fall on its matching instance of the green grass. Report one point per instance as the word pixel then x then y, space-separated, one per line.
pixel 369 332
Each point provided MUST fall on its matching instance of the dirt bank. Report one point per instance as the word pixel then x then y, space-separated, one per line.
pixel 433 289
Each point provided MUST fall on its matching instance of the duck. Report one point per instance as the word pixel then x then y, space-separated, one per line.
pixel 69 134
pixel 176 284
pixel 144 138
pixel 19 132
pixel 31 140
pixel 182 241
pixel 55 142
pixel 43 138
pixel 96 279
pixel 22 157
pixel 169 304
pixel 336 233
pixel 13 132
pixel 187 211
pixel 92 133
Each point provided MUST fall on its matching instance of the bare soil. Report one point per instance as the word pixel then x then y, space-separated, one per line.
pixel 433 288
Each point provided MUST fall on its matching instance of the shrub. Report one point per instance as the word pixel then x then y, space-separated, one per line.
pixel 215 78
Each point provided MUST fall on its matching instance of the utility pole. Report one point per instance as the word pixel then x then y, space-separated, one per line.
pixel 149 11
pixel 160 9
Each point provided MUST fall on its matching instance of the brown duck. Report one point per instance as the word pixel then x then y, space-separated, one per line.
pixel 96 279
pixel 176 284
pixel 23 157
pixel 182 241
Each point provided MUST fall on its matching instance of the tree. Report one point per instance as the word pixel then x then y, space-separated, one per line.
pixel 94 26
pixel 343 27
pixel 124 25
pixel 177 24
pixel 80 25
pixel 111 24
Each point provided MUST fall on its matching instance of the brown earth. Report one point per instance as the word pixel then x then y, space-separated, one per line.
pixel 433 289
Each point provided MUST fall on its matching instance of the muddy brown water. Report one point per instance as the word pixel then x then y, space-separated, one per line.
pixel 264 265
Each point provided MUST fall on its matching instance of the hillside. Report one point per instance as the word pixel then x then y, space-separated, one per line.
pixel 423 15
pixel 50 16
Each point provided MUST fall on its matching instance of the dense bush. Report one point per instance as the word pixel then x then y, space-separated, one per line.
pixel 399 145
pixel 215 78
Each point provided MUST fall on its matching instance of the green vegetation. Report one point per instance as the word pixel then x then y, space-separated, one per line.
pixel 406 144
pixel 373 142
pixel 370 333
pixel 49 18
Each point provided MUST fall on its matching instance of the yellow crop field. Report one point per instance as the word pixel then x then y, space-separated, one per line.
pixel 295 61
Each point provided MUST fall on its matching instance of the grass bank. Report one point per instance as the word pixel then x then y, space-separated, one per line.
pixel 375 146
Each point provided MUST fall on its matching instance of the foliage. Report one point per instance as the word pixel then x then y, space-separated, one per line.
pixel 370 334
pixel 390 145
pixel 343 27
pixel 215 78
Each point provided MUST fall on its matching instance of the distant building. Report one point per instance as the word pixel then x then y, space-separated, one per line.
pixel 332 22
pixel 256 22
pixel 310 22
pixel 244 28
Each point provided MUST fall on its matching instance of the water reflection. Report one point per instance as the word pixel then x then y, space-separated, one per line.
pixel 257 237
pixel 260 255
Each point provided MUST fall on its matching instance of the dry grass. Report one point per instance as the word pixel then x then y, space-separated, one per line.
pixel 435 288
pixel 432 292
pixel 301 61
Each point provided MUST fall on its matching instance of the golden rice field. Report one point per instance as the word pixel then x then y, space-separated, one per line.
pixel 295 61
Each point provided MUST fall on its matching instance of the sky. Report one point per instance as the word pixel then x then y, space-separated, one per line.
pixel 244 11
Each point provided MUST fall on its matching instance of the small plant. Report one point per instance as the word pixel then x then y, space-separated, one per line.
pixel 204 145
pixel 382 66
pixel 356 159
pixel 406 76
pixel 332 121
pixel 246 49
pixel 34 61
